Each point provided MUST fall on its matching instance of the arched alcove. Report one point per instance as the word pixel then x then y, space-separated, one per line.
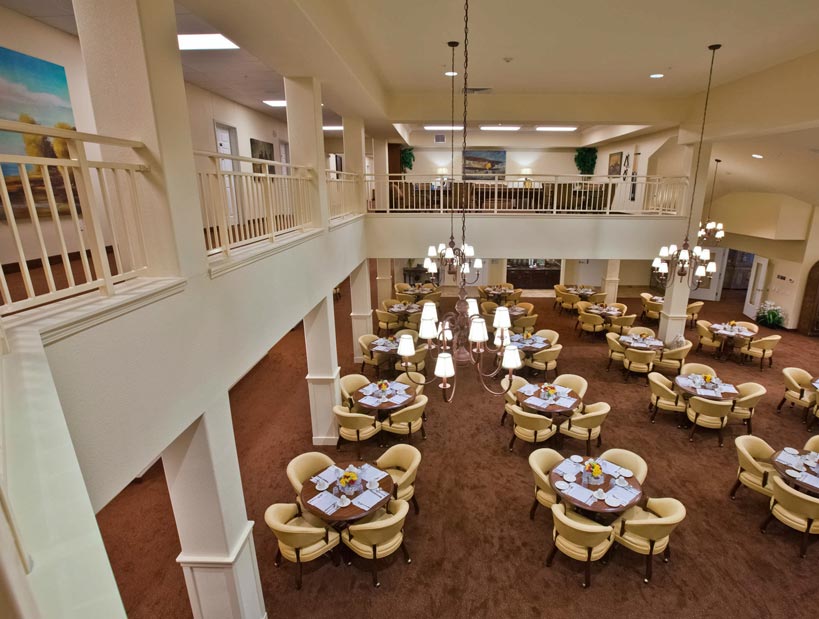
pixel 809 313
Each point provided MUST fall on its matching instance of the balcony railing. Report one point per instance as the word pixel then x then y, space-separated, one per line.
pixel 344 194
pixel 635 195
pixel 246 200
pixel 71 224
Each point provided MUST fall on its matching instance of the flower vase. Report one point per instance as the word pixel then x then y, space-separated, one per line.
pixel 591 480
pixel 352 489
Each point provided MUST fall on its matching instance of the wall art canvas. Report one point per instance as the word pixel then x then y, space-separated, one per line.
pixel 615 163
pixel 480 164
pixel 262 150
pixel 33 91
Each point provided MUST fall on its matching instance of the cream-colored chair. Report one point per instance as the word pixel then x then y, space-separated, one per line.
pixel 529 427
pixel 488 308
pixel 524 324
pixel 812 444
pixel 509 392
pixel 673 359
pixel 663 396
pixel 514 298
pixel 755 469
pixel 415 380
pixel 401 287
pixel 576 383
pixel 620 306
pixel 386 304
pixel 379 537
pixel 387 321
pixel 349 384
pixel 507 285
pixel 796 510
pixel 569 302
pixel 544 360
pixel 692 312
pixel 579 538
pixel 529 307
pixel 740 341
pixel 597 297
pixel 482 296
pixel 708 414
pixel 412 333
pixel 299 540
pixel 542 461
pixel 413 322
pixel 707 339
pixel 628 460
pixel 587 426
pixel 432 297
pixel 429 286
pixel 617 351
pixel 744 405
pixel 373 359
pixel 621 325
pixel 402 462
pixel 647 530
pixel 641 331
pixel 405 298
pixel 354 428
pixel 549 335
pixel 304 466
pixel 638 361
pixel 415 363
pixel 559 292
pixel 761 349
pixel 590 323
pixel 582 306
pixel 408 420
pixel 651 311
pixel 799 390
pixel 696 368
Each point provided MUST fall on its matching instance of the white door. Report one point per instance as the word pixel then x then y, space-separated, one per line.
pixel 756 286
pixel 224 147
pixel 712 291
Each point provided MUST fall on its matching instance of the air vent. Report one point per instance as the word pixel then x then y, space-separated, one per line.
pixel 478 91
pixel 440 138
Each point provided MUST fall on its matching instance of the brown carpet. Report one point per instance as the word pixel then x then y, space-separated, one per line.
pixel 475 552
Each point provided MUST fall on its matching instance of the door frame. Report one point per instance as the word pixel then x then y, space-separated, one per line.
pixel 756 286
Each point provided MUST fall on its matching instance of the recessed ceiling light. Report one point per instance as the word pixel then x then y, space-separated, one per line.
pixel 451 73
pixel 205 41
pixel 542 128
pixel 657 76
pixel 333 128
pixel 443 127
pixel 500 127
pixel 275 102
pixel 755 156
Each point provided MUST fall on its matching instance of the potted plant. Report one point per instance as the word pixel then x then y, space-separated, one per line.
pixel 407 158
pixel 585 158
pixel 770 315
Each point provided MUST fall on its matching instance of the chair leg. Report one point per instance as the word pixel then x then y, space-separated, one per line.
pixel 503 417
pixel 600 439
pixel 374 568
pixel 803 547
pixel 750 431
pixel 338 445
pixel 691 436
pixel 719 435
pixel 667 554
pixel 415 505
pixel 335 555
pixel 779 406
pixel 278 560
pixel 766 523
pixel 512 442
pixel 298 572
pixel 649 558
pixel 534 509
pixel 423 433
pixel 358 449
pixel 654 414
pixel 587 573
pixel 552 554
pixel 588 446
pixel 404 550
pixel 734 489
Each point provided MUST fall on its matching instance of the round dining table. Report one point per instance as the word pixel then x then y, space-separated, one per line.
pixel 562 487
pixel 583 293
pixel 497 293
pixel 528 346
pixel 385 406
pixel 794 478
pixel 639 343
pixel 606 312
pixel 690 390
pixel 551 408
pixel 402 310
pixel 344 516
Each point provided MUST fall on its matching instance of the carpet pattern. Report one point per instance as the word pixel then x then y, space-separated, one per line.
pixel 475 552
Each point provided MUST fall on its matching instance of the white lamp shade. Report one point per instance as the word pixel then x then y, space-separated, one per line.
pixel 477 331
pixel 672 249
pixel 664 267
pixel 441 247
pixel 427 330
pixel 427 262
pixel 431 251
pixel 656 264
pixel 664 252
pixel 429 311
pixel 710 225
pixel 511 358
pixel 472 307
pixel 720 233
pixel 406 347
pixel 465 268
pixel 445 331
pixel 469 251
pixel 502 340
pixel 478 264
pixel 449 254
pixel 719 226
pixel 433 267
pixel 684 255
pixel 705 256
pixel 700 271
pixel 501 320
pixel 712 267
pixel 444 368
pixel 697 250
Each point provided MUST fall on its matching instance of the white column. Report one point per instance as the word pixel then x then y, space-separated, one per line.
pixel 361 313
pixel 322 370
pixel 383 279
pixel 135 79
pixel 611 282
pixel 354 155
pixel 672 318
pixel 306 137
pixel 563 266
pixel 218 556
pixel 381 169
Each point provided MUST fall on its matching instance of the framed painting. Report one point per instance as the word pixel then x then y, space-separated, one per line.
pixel 262 150
pixel 480 164
pixel 615 163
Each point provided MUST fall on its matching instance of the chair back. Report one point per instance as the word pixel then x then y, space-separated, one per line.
pixel 507 285
pixel 529 307
pixel 750 450
pixel 413 379
pixel 296 536
pixel 645 296
pixel 794 501
pixel 597 297
pixel 590 319
pixel 414 321
pixel 593 416
pixel 352 421
pixel 710 408
pixel 401 287
pixel 751 326
pixel 413 334
pixel 653 306
pixel 622 324
pixel 529 421
pixel 570 299
pixel 697 368
pixel 304 466
pixel 703 329
pixel 517 383
pixel 429 286
pixel 613 340
pixel 386 304
pixel 620 306
pixel 641 331
pixel 542 461
pixel 432 297
pixel 586 535
pixel 513 298
pixel 548 354
pixel 525 322
pixel 574 382
pixel 350 383
pixel 550 335
pixel 640 357
pixel 627 459
pixel 403 457
pixel 364 342
pixel 405 298
pixel 662 387
pixel 488 307
pixel 410 414
pixel 386 317
pixel 694 308
pixel 812 444
pixel 582 306
pixel 419 356
pixel 797 379
pixel 765 343
pixel 677 354
pixel 750 395
pixel 382 530
pixel 671 512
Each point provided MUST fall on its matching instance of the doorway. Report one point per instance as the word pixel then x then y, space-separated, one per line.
pixel 809 313
pixel 712 289
pixel 226 144
pixel 756 286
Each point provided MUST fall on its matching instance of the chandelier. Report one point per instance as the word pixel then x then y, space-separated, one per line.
pixel 461 337
pixel 712 230
pixel 688 265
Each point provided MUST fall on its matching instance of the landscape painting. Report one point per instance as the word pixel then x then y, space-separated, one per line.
pixel 480 164
pixel 33 91
pixel 262 150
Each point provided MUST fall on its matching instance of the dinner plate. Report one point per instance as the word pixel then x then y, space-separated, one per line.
pixel 321 485
pixel 626 473
pixel 372 484
pixel 576 458
pixel 612 501
pixel 570 478
pixel 791 450
pixel 794 474
pixel 561 485
pixel 620 481
pixel 343 501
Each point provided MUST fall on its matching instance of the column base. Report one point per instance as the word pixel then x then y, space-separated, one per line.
pixel 671 325
pixel 611 286
pixel 362 325
pixel 225 587
pixel 324 393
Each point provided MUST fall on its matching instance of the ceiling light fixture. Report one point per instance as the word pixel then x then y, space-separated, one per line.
pixel 189 42
pixel 451 73
pixel 657 76
pixel 275 102
pixel 500 127
pixel 333 128
pixel 547 128
pixel 755 156
pixel 443 127
pixel 690 265
pixel 712 230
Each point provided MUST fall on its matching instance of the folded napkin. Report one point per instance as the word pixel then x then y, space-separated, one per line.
pixel 369 389
pixel 789 459
pixel 561 390
pixel 811 480
pixel 684 381
pixel 726 388
pixel 609 468
pixel 637 344
pixel 566 402
pixel 380 341
pixel 652 341
pixel 324 501
pixel 624 494
pixel 707 392
pixel 516 337
pixel 330 474
pixel 370 401
pixel 529 389
pixel 369 499
pixel 535 401
pixel 399 398
pixel 369 472
pixel 538 345
pixel 580 493
pixel 383 348
pixel 400 387
pixel 568 467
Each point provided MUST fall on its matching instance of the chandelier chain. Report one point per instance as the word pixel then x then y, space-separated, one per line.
pixel 466 91
pixel 452 138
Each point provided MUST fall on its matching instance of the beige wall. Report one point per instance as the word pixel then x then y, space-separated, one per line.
pixel 766 215
pixel 428 160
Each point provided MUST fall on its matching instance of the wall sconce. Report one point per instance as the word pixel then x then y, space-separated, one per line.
pixel 527 182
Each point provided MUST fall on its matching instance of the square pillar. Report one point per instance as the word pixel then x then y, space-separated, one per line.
pixel 354 155
pixel 322 370
pixel 611 282
pixel 218 556
pixel 361 313
pixel 306 138
pixel 383 279
pixel 381 170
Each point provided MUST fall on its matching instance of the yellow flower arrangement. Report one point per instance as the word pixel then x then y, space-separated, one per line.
pixel 549 389
pixel 527 335
pixel 347 478
pixel 707 378
pixel 383 385
pixel 593 468
pixel 732 323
